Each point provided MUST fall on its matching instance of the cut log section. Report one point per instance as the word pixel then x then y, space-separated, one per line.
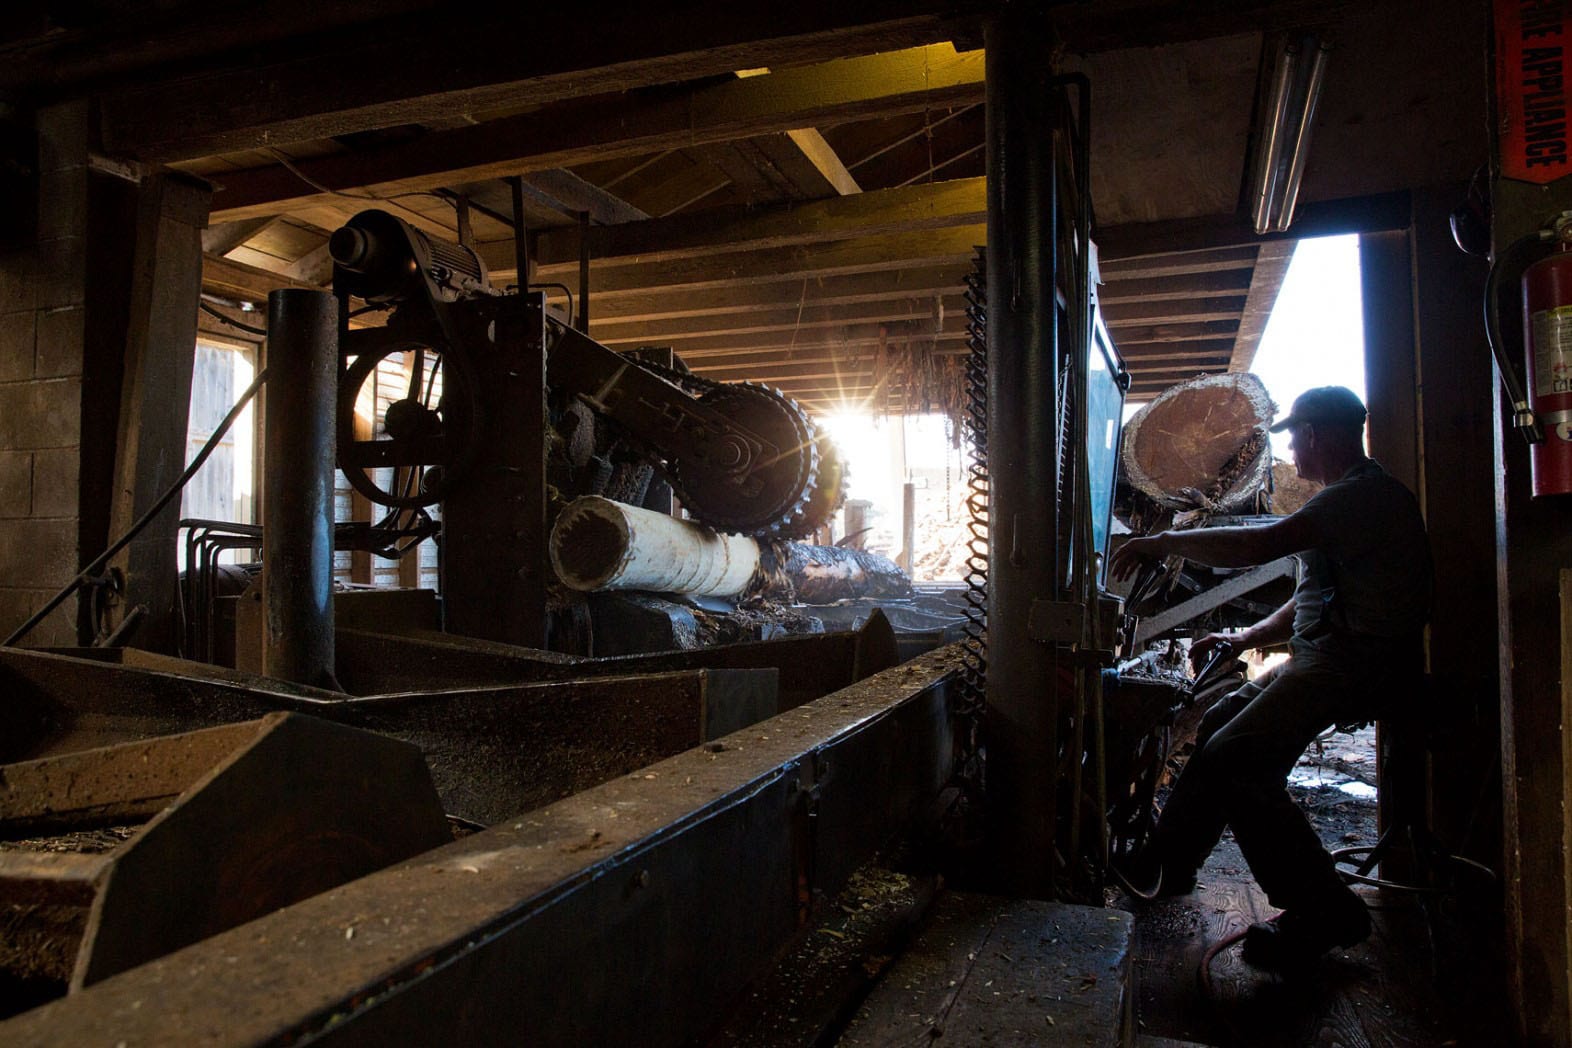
pixel 1203 444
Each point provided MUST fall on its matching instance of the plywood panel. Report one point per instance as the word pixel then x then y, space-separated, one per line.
pixel 1170 127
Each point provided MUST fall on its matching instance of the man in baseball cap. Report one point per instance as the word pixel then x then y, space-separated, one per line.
pixel 1326 405
pixel 1354 631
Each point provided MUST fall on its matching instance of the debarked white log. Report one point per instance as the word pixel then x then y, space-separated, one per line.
pixel 598 544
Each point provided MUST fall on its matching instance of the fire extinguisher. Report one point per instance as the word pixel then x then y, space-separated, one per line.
pixel 1543 411
pixel 1547 339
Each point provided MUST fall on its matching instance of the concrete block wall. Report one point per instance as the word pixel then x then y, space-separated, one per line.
pixel 41 370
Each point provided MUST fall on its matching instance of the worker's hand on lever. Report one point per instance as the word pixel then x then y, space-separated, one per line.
pixel 1127 558
pixel 1200 649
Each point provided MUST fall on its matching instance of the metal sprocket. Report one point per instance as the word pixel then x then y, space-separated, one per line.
pixel 772 501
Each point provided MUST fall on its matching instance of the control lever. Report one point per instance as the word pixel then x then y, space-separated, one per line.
pixel 1218 663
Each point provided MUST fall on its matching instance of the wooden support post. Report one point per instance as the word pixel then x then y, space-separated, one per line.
pixel 908 526
pixel 160 348
pixel 1533 548
pixel 1386 293
pixel 1386 287
pixel 1456 465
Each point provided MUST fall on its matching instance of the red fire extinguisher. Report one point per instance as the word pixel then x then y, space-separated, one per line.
pixel 1547 337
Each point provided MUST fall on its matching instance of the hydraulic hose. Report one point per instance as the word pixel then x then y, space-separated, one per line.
pixel 91 571
pixel 1510 259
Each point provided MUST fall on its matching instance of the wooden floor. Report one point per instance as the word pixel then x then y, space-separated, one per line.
pixel 1385 991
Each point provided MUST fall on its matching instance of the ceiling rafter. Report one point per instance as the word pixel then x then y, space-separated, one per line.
pixel 939 205
pixel 403 70
pixel 798 292
pixel 869 254
pixel 935 76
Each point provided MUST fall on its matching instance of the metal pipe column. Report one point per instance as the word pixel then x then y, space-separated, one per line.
pixel 1020 726
pixel 297 543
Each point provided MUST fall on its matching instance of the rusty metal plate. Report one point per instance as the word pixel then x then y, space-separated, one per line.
pixel 810 666
pixel 620 915
pixel 249 818
pixel 493 751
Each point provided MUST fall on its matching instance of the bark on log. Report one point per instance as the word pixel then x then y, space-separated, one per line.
pixel 598 544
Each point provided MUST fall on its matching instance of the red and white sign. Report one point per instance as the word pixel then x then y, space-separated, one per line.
pixel 1533 47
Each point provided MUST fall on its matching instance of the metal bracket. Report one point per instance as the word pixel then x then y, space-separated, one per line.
pixel 1216 597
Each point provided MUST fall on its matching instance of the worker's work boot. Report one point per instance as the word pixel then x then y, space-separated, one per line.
pixel 1295 938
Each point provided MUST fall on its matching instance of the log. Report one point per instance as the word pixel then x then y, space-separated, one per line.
pixel 598 544
pixel 827 574
pixel 1202 444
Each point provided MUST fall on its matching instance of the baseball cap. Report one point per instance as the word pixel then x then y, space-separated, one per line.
pixel 1337 405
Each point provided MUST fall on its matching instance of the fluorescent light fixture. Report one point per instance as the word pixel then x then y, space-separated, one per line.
pixel 1283 146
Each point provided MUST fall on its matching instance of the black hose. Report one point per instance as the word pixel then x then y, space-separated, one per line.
pixel 90 572
pixel 1522 411
pixel 565 290
pixel 209 310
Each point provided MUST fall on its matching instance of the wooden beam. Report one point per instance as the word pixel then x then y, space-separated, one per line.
pixel 224 237
pixel 740 268
pixel 941 205
pixel 788 319
pixel 818 152
pixel 1271 267
pixel 155 392
pixel 563 136
pixel 107 42
pixel 805 357
pixel 1199 347
pixel 570 194
pixel 822 156
pixel 315 268
pixel 851 337
pixel 1190 285
pixel 1204 260
pixel 1172 312
pixel 404 70
pixel 1143 334
pixel 798 292
pixel 231 279
pixel 1369 214
pixel 649 333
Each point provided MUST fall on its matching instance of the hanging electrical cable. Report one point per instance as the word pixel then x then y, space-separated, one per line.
pixel 90 573
pixel 210 311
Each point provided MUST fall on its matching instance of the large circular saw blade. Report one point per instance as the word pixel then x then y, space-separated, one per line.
pixel 780 497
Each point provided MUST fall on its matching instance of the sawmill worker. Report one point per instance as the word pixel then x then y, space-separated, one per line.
pixel 1354 633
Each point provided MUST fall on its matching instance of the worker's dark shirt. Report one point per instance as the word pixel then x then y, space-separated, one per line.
pixel 1367 584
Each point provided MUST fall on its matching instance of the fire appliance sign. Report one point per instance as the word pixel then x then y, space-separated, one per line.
pixel 1532 41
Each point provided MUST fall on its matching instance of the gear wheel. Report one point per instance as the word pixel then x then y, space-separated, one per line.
pixel 804 496
pixel 829 488
pixel 769 502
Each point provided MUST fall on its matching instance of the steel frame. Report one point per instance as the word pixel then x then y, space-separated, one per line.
pixel 623 914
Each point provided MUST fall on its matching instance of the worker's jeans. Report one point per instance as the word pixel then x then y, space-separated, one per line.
pixel 1245 747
